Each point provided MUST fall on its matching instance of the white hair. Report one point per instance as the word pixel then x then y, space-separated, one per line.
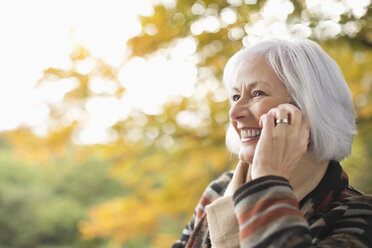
pixel 315 84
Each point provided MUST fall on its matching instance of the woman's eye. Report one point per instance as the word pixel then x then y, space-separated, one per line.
pixel 257 93
pixel 235 98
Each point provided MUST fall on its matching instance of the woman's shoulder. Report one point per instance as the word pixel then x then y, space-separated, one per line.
pixel 351 203
pixel 353 216
pixel 350 212
pixel 352 198
pixel 358 201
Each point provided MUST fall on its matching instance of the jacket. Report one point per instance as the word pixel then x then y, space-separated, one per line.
pixel 269 214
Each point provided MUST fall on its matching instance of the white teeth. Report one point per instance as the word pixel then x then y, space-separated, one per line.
pixel 243 133
pixel 248 133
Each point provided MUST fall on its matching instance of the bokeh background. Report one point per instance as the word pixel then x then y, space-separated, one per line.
pixel 113 113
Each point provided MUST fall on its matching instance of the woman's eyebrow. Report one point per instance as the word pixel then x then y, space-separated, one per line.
pixel 251 85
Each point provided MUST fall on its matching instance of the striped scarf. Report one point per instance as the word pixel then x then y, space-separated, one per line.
pixel 269 215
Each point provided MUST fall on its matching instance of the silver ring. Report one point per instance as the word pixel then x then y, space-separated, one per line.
pixel 282 121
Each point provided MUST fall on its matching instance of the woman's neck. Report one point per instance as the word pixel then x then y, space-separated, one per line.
pixel 307 175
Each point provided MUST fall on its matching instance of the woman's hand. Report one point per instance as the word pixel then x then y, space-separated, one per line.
pixel 281 145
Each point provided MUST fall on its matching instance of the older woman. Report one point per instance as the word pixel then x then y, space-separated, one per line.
pixel 292 122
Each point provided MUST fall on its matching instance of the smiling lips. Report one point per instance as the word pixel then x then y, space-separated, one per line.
pixel 247 134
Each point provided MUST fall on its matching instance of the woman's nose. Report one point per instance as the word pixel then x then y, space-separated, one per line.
pixel 238 111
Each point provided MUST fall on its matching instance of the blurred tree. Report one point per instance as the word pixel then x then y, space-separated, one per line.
pixel 41 207
pixel 164 161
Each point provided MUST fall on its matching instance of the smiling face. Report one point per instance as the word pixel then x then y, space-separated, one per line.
pixel 256 91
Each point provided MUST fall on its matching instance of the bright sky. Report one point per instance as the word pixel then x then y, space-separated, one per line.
pixel 39 34
pixel 36 35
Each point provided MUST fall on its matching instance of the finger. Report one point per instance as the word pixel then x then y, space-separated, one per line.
pixel 289 105
pixel 267 123
pixel 306 128
pixel 280 115
pixel 305 121
pixel 249 174
pixel 294 113
pixel 298 120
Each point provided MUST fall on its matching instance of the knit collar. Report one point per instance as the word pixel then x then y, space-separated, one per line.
pixel 329 189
